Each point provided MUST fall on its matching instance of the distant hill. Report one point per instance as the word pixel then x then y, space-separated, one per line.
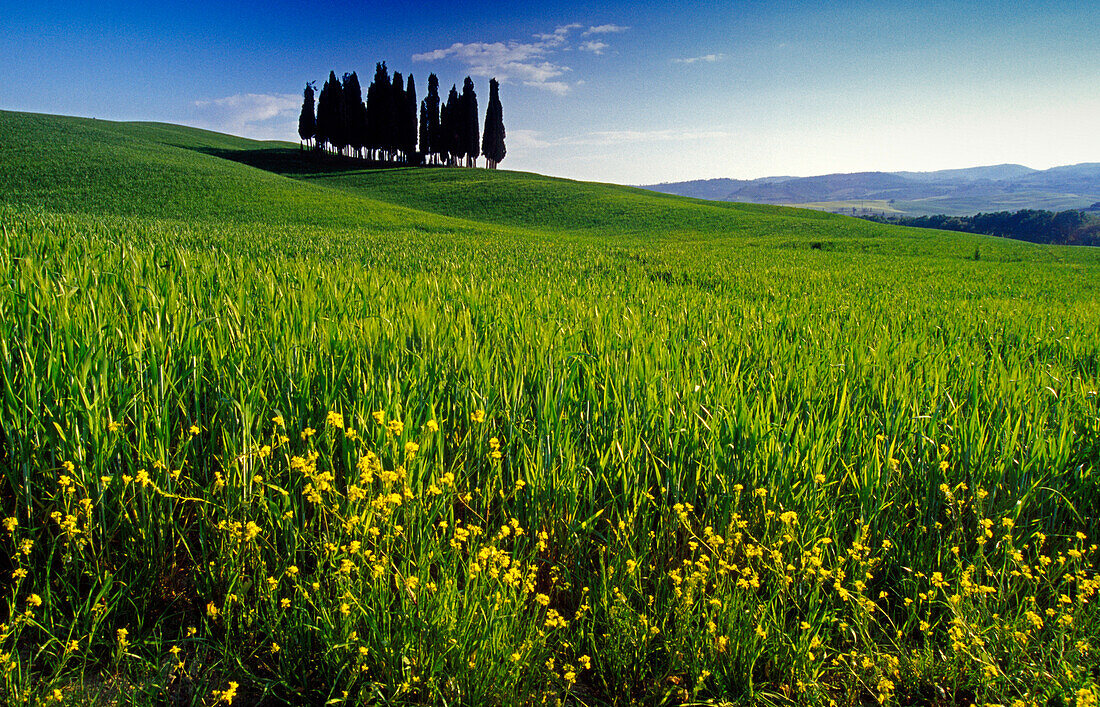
pixel 970 174
pixel 1005 187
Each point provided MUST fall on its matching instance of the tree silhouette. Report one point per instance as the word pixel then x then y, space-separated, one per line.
pixel 425 135
pixel 470 134
pixel 328 112
pixel 397 108
pixel 307 121
pixel 440 141
pixel 379 98
pixel 452 127
pixel 408 122
pixel 339 135
pixel 385 127
pixel 431 146
pixel 492 142
pixel 355 113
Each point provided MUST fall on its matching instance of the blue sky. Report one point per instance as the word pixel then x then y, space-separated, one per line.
pixel 628 92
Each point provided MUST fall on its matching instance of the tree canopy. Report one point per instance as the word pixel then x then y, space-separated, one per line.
pixel 307 121
pixel 1072 227
pixel 384 127
pixel 492 141
pixel 355 113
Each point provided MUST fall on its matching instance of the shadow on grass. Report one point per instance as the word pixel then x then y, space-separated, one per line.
pixel 290 162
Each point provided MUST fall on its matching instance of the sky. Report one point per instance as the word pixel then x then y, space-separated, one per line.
pixel 632 92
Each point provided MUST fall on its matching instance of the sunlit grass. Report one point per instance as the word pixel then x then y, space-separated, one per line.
pixel 431 460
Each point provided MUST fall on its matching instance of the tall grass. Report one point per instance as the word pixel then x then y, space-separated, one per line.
pixel 315 465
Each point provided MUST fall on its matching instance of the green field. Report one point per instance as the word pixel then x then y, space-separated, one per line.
pixel 961 206
pixel 276 430
pixel 854 206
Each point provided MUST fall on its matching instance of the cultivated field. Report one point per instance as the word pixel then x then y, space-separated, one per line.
pixel 463 437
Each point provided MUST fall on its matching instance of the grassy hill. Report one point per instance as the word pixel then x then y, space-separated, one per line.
pixel 77 165
pixel 175 172
pixel 275 429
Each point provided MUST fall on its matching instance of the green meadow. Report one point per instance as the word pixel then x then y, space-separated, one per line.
pixel 278 430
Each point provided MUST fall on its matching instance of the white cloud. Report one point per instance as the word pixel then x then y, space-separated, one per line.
pixel 525 62
pixel 708 58
pixel 532 63
pixel 612 138
pixel 605 29
pixel 250 114
pixel 594 47
pixel 514 60
pixel 556 87
pixel 558 36
pixel 623 137
pixel 483 53
pixel 526 139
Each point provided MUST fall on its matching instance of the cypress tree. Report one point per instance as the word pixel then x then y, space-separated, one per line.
pixel 339 116
pixel 453 128
pixel 326 117
pixel 379 97
pixel 432 104
pixel 469 136
pixel 439 142
pixel 425 136
pixel 397 110
pixel 492 142
pixel 408 121
pixel 307 121
pixel 355 112
pixel 320 127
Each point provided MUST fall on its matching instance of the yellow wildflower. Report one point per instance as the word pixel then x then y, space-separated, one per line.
pixel 227 695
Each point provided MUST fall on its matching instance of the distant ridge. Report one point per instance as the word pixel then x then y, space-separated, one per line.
pixel 1004 187
pixel 971 174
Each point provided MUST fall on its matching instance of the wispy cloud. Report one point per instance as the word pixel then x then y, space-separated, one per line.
pixel 592 46
pixel 558 36
pixel 604 29
pixel 706 58
pixel 609 138
pixel 623 137
pixel 263 115
pixel 557 87
pixel 526 139
pixel 514 60
pixel 534 63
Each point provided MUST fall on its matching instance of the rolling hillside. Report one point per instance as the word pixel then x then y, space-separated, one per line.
pixel 78 165
pixel 275 429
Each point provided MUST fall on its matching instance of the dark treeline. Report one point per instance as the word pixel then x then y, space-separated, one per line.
pixel 1036 226
pixel 383 126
